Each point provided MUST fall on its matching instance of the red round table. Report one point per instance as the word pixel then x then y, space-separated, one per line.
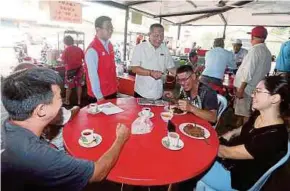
pixel 143 161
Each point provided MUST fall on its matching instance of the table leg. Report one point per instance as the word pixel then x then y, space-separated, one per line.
pixel 169 187
pixel 122 187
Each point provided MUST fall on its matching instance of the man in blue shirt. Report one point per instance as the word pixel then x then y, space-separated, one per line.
pixel 32 99
pixel 283 59
pixel 216 61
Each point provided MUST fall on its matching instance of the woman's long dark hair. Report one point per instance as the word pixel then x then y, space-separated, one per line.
pixel 279 85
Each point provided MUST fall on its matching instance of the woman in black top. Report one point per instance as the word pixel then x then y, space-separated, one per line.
pixel 246 153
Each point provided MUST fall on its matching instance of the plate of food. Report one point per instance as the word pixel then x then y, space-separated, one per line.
pixel 176 111
pixel 193 130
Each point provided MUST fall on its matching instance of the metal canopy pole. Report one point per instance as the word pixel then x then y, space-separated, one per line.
pixel 178 32
pixel 160 20
pixel 125 34
pixel 225 24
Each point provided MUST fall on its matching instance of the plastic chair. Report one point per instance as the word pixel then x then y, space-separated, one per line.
pixel 201 186
pixel 222 103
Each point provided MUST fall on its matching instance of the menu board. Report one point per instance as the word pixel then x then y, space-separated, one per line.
pixel 66 11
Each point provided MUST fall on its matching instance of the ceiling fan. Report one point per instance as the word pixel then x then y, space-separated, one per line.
pixel 223 3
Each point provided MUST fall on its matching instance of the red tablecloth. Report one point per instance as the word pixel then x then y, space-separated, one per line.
pixel 143 160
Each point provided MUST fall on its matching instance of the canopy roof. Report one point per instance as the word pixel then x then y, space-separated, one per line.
pixel 213 12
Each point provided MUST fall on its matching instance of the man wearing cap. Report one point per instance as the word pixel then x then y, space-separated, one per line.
pixel 216 61
pixel 239 52
pixel 255 66
pixel 149 61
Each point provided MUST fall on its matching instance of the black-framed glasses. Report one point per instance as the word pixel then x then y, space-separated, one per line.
pixel 258 91
pixel 108 29
pixel 183 80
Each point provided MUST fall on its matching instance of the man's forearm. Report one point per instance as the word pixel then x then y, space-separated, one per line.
pixel 107 161
pixel 204 114
pixel 243 86
pixel 141 71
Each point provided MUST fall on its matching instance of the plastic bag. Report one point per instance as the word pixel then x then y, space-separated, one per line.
pixel 142 125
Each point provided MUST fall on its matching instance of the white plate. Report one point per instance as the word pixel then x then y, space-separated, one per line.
pixel 171 110
pixel 206 132
pixel 96 142
pixel 164 142
pixel 98 111
pixel 150 116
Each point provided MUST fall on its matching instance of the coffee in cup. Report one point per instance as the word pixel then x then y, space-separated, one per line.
pixel 87 136
pixel 173 138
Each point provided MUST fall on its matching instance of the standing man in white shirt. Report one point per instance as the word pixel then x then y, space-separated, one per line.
pixel 149 61
pixel 255 66
pixel 239 52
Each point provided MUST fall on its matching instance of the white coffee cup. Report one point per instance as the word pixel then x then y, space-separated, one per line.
pixel 93 107
pixel 87 136
pixel 173 138
pixel 146 111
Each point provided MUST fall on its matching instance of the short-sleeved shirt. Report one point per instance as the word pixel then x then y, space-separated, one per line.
pixel 267 145
pixel 148 57
pixel 255 66
pixel 206 98
pixel 239 56
pixel 29 163
pixel 216 61
pixel 283 59
pixel 72 57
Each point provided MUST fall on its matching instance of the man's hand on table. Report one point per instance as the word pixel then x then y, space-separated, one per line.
pixel 122 133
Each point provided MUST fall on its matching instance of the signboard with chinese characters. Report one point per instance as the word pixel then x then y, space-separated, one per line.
pixel 66 11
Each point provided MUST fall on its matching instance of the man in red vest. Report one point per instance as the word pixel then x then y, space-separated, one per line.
pixel 100 64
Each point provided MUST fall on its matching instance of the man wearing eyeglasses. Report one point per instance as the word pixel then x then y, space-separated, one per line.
pixel 195 97
pixel 149 61
pixel 100 63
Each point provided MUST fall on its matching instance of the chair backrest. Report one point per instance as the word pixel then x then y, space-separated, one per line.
pixel 258 185
pixel 222 103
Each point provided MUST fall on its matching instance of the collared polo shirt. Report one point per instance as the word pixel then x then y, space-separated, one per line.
pixel 239 56
pixel 148 57
pixel 255 66
pixel 283 59
pixel 216 61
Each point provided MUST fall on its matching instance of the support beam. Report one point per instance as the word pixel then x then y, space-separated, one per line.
pixel 207 11
pixel 192 3
pixel 160 20
pixel 126 34
pixel 148 14
pixel 132 3
pixel 113 4
pixel 178 32
pixel 203 11
pixel 225 24
pixel 210 14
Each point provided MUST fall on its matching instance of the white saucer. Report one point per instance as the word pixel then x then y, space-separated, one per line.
pixel 151 114
pixel 164 142
pixel 96 112
pixel 92 144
